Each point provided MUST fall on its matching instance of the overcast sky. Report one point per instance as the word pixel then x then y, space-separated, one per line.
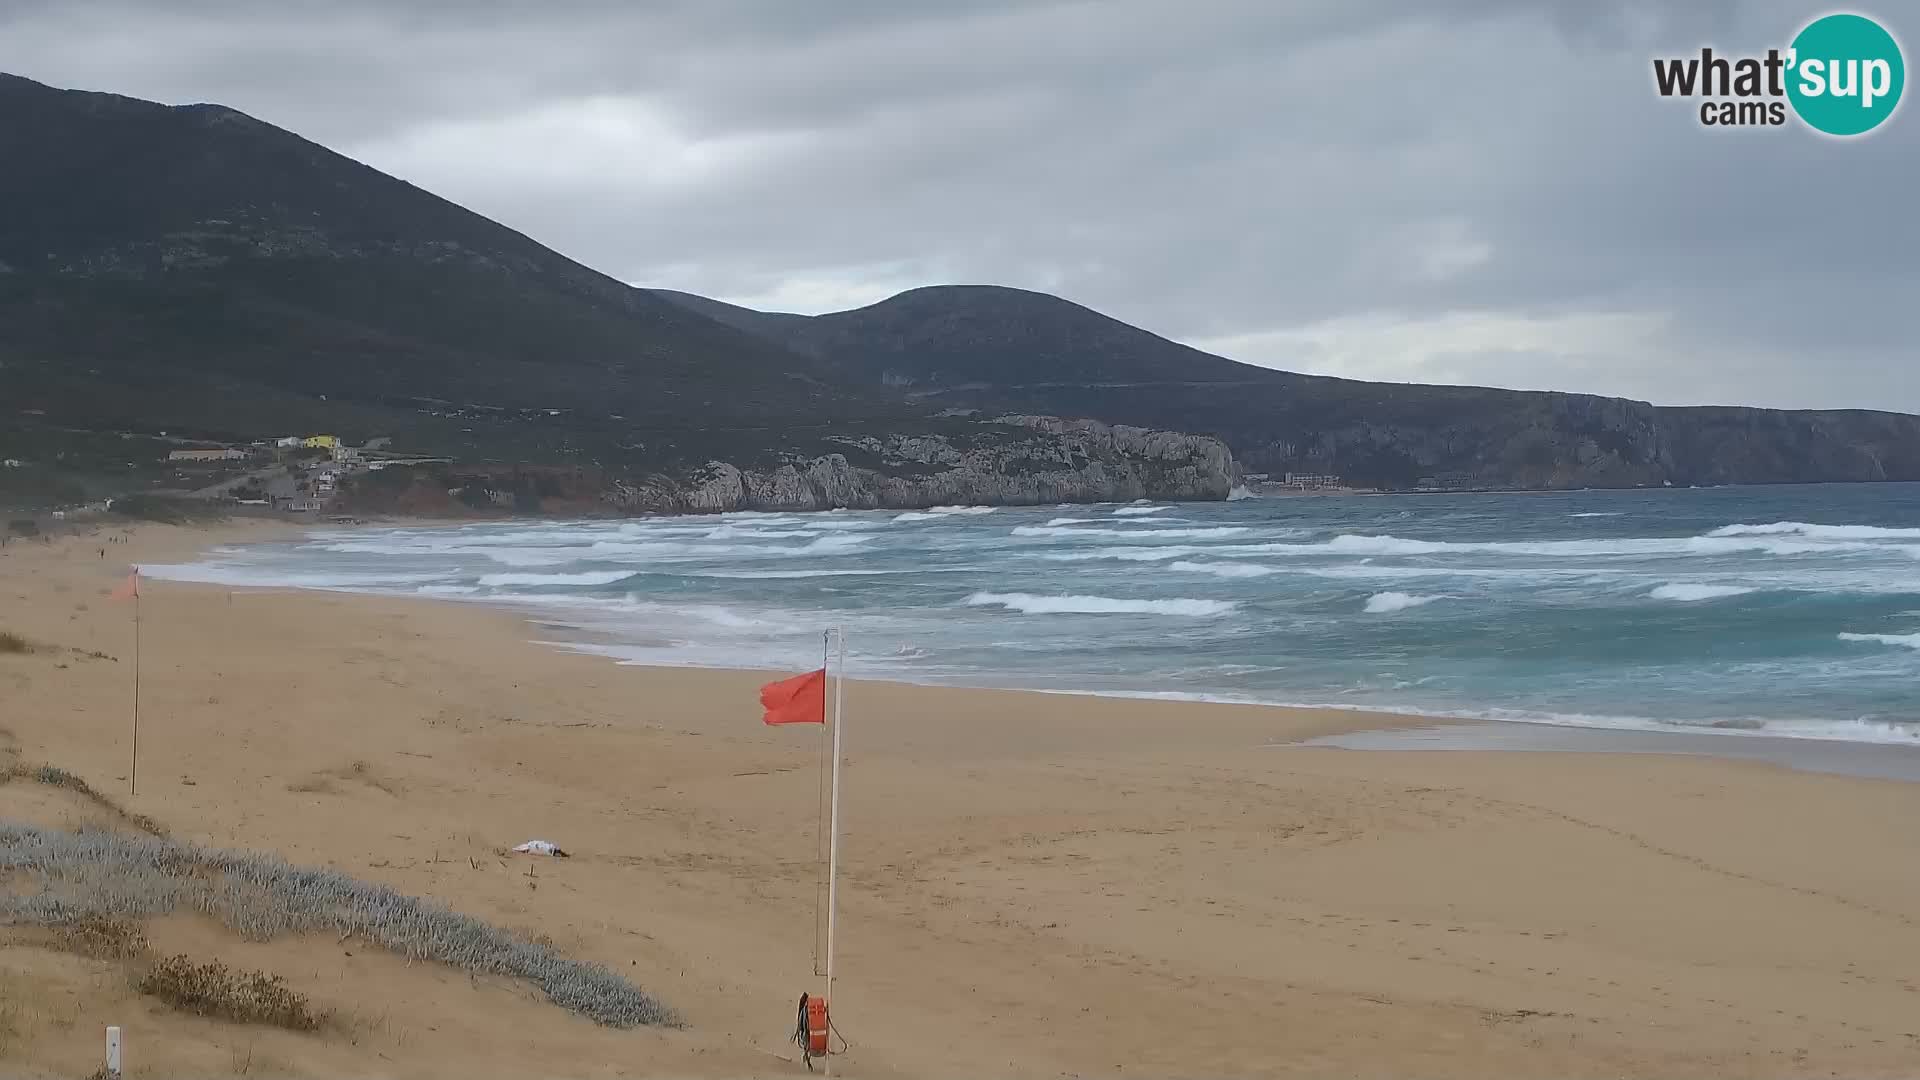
pixel 1472 191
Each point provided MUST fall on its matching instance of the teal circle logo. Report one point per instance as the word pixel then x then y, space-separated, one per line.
pixel 1845 74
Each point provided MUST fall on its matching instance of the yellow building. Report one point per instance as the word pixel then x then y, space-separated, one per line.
pixel 320 442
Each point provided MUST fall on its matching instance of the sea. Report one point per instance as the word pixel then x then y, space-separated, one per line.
pixel 1780 611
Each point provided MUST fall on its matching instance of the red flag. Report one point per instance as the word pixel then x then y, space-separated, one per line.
pixel 799 700
pixel 128 589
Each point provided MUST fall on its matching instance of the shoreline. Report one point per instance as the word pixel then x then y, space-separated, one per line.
pixel 606 645
pixel 1047 867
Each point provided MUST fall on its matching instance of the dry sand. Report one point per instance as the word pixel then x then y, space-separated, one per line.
pixel 1034 885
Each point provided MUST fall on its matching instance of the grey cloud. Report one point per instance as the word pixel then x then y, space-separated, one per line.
pixel 1483 190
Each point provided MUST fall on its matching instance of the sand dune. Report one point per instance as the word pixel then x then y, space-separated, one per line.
pixel 1035 885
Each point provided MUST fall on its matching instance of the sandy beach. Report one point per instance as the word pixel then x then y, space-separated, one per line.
pixel 1034 885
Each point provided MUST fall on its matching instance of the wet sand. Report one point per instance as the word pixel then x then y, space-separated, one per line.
pixel 1874 760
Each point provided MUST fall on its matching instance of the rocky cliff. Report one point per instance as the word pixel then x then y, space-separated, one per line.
pixel 1057 461
pixel 1008 350
pixel 1011 461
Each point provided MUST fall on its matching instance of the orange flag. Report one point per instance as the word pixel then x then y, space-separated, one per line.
pixel 128 589
pixel 799 700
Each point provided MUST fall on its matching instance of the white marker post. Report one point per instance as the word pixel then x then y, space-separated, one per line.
pixel 833 843
pixel 113 1052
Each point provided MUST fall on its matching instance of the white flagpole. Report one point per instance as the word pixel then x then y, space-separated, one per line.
pixel 133 774
pixel 833 844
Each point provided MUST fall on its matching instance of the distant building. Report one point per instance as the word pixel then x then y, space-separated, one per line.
pixel 1312 480
pixel 11 463
pixel 207 455
pixel 376 466
pixel 346 455
pixel 1447 481
pixel 302 505
pixel 320 442
pixel 289 443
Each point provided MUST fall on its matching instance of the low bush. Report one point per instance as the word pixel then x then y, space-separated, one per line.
pixel 111 875
pixel 102 938
pixel 214 990
pixel 54 776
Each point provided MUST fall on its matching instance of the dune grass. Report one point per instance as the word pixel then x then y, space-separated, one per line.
pixel 11 642
pixel 53 776
pixel 91 874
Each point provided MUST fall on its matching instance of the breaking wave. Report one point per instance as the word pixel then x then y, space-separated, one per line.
pixel 1138 511
pixel 935 513
pixel 1031 604
pixel 1383 602
pixel 1911 641
pixel 1052 530
pixel 1224 569
pixel 596 577
pixel 1818 532
pixel 1688 593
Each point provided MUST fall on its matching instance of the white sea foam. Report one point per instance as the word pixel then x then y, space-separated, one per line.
pixel 666 549
pixel 833 543
pixel 1055 522
pixel 1031 604
pixel 1911 641
pixel 446 590
pixel 1818 532
pixel 1224 569
pixel 1051 530
pixel 738 532
pixel 1356 544
pixel 1383 602
pixel 592 577
pixel 1138 511
pixel 777 575
pixel 935 513
pixel 1125 554
pixel 1687 592
pixel 215 573
pixel 1597 513
pixel 548 556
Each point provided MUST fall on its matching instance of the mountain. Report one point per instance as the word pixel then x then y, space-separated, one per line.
pixel 227 255
pixel 1000 349
pixel 190 272
pixel 196 272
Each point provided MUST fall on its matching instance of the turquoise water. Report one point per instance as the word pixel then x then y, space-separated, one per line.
pixel 1786 611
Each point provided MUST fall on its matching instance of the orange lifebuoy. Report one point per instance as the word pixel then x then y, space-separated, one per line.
pixel 816 1027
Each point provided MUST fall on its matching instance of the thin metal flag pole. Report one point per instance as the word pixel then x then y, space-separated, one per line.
pixel 820 814
pixel 133 775
pixel 833 844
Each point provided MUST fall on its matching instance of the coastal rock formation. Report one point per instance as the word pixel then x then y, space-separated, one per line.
pixel 1050 461
pixel 994 349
